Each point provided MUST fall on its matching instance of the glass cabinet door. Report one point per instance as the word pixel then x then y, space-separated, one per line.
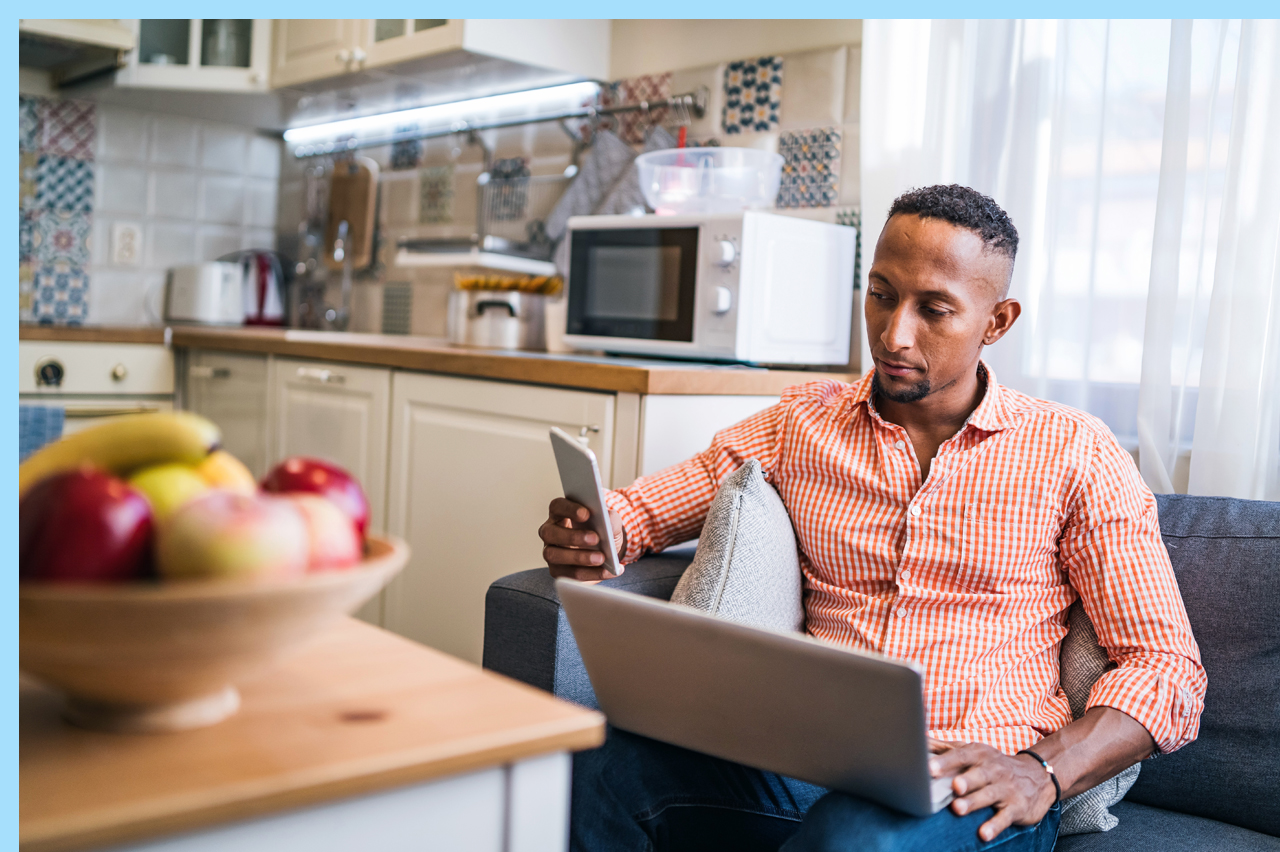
pixel 164 41
pixel 226 43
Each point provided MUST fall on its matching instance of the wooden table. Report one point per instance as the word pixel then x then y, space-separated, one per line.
pixel 363 740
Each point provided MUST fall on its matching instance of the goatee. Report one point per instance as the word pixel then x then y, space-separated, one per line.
pixel 915 393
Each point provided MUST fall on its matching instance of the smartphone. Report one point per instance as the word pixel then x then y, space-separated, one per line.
pixel 580 478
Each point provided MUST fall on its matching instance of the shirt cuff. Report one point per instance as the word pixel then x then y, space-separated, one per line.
pixel 1168 710
pixel 632 524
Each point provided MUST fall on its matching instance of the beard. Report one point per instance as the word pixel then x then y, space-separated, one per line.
pixel 915 393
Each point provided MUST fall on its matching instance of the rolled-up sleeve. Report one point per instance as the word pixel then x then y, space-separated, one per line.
pixel 1112 551
pixel 668 507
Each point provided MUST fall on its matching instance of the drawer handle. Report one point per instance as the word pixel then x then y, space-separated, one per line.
pixel 209 372
pixel 315 374
pixel 83 412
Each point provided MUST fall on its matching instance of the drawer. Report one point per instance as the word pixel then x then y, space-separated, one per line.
pixel 122 369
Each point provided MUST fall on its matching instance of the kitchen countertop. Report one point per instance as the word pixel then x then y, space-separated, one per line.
pixel 358 711
pixel 433 355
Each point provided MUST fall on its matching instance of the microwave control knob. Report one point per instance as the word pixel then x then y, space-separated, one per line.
pixel 726 253
pixel 724 300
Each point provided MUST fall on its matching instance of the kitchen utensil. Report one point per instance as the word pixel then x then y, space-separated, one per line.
pixel 709 180
pixel 490 319
pixel 353 197
pixel 150 657
pixel 208 293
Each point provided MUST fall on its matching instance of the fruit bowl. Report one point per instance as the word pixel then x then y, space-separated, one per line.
pixel 141 657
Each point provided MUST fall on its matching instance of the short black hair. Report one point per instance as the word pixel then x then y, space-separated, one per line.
pixel 965 208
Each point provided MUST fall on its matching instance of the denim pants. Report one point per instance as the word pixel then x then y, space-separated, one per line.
pixel 635 794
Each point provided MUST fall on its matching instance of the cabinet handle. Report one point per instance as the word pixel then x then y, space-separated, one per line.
pixel 200 372
pixel 358 55
pixel 344 56
pixel 82 412
pixel 315 374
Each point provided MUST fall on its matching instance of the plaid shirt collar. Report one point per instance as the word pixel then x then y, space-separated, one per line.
pixel 991 415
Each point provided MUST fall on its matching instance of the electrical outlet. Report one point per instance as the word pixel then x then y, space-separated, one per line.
pixel 126 244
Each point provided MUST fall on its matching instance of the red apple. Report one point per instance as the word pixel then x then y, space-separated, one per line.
pixel 224 534
pixel 319 477
pixel 335 544
pixel 83 526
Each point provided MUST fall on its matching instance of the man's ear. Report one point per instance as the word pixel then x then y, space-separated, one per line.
pixel 1003 317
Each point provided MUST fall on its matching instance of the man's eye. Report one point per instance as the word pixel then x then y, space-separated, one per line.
pixel 938 312
pixel 877 295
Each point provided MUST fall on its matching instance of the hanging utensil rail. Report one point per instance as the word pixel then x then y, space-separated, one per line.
pixel 695 103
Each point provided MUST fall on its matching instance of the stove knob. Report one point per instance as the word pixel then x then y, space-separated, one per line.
pixel 726 253
pixel 118 373
pixel 49 372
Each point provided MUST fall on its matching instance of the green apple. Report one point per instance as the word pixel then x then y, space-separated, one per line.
pixel 223 534
pixel 167 487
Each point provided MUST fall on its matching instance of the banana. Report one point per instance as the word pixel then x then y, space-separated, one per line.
pixel 124 444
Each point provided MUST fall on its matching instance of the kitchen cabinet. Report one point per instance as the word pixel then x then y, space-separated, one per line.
pixel 470 482
pixel 338 413
pixel 312 49
pixel 231 390
pixel 307 51
pixel 220 55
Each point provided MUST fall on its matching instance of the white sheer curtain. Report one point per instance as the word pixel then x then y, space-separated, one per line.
pixel 1144 228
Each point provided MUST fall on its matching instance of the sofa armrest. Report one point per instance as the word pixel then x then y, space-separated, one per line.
pixel 526 634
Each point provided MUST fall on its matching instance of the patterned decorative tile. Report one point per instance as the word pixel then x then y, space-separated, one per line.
pixel 435 195
pixel 60 236
pixel 811 168
pixel 507 194
pixel 752 95
pixel 646 88
pixel 406 154
pixel 27 164
pixel 68 128
pixel 63 183
pixel 26 236
pixel 61 294
pixel 26 292
pixel 28 123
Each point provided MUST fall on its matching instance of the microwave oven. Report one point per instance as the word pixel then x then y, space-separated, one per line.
pixel 752 287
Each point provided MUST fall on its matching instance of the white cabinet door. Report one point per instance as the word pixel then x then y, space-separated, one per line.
pixel 338 413
pixel 472 473
pixel 231 390
pixel 313 49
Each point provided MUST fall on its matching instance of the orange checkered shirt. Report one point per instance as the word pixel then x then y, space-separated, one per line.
pixel 970 573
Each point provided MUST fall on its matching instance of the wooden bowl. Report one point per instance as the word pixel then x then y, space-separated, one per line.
pixel 166 656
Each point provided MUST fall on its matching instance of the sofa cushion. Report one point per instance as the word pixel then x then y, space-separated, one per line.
pixel 747 568
pixel 1147 829
pixel 1226 554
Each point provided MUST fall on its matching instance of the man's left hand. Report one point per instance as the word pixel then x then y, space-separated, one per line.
pixel 1018 788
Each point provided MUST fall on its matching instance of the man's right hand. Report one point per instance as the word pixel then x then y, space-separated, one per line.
pixel 572 550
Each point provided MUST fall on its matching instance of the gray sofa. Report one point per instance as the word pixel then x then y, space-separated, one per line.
pixel 1222 792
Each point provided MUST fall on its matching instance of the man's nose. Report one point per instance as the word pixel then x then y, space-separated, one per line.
pixel 899 333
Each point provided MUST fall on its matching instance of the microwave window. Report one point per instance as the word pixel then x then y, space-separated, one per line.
pixel 634 282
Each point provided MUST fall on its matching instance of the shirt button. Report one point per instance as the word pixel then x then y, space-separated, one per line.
pixel 902 613
pixel 900 445
pixel 906 574
pixel 914 511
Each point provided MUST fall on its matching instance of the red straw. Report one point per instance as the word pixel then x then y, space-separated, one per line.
pixel 684 136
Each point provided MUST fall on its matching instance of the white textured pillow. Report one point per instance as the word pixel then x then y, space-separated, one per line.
pixel 747 568
pixel 1081 661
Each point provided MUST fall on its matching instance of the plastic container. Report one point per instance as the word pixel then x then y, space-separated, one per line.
pixel 709 180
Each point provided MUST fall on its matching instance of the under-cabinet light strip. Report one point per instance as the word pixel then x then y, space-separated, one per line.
pixel 388 124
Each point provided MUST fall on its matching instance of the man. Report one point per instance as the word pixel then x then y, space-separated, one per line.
pixel 943 519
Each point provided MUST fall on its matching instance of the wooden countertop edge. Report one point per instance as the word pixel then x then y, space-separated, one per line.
pixel 92 334
pixel 262 798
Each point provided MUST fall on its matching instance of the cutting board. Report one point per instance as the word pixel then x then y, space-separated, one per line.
pixel 353 196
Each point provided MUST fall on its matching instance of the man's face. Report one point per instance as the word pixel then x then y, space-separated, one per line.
pixel 934 298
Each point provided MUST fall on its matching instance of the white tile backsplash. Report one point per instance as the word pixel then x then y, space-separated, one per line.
pixel 122 135
pixel 173 193
pixel 215 242
pixel 813 88
pixel 170 244
pixel 224 149
pixel 174 141
pixel 264 157
pixel 121 189
pixel 222 200
pixel 260 203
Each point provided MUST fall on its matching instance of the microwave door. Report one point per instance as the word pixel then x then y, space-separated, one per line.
pixel 634 283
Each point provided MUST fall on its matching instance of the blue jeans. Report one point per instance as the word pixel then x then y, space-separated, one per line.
pixel 637 794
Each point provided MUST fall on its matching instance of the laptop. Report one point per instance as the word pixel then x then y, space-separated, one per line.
pixel 785 703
